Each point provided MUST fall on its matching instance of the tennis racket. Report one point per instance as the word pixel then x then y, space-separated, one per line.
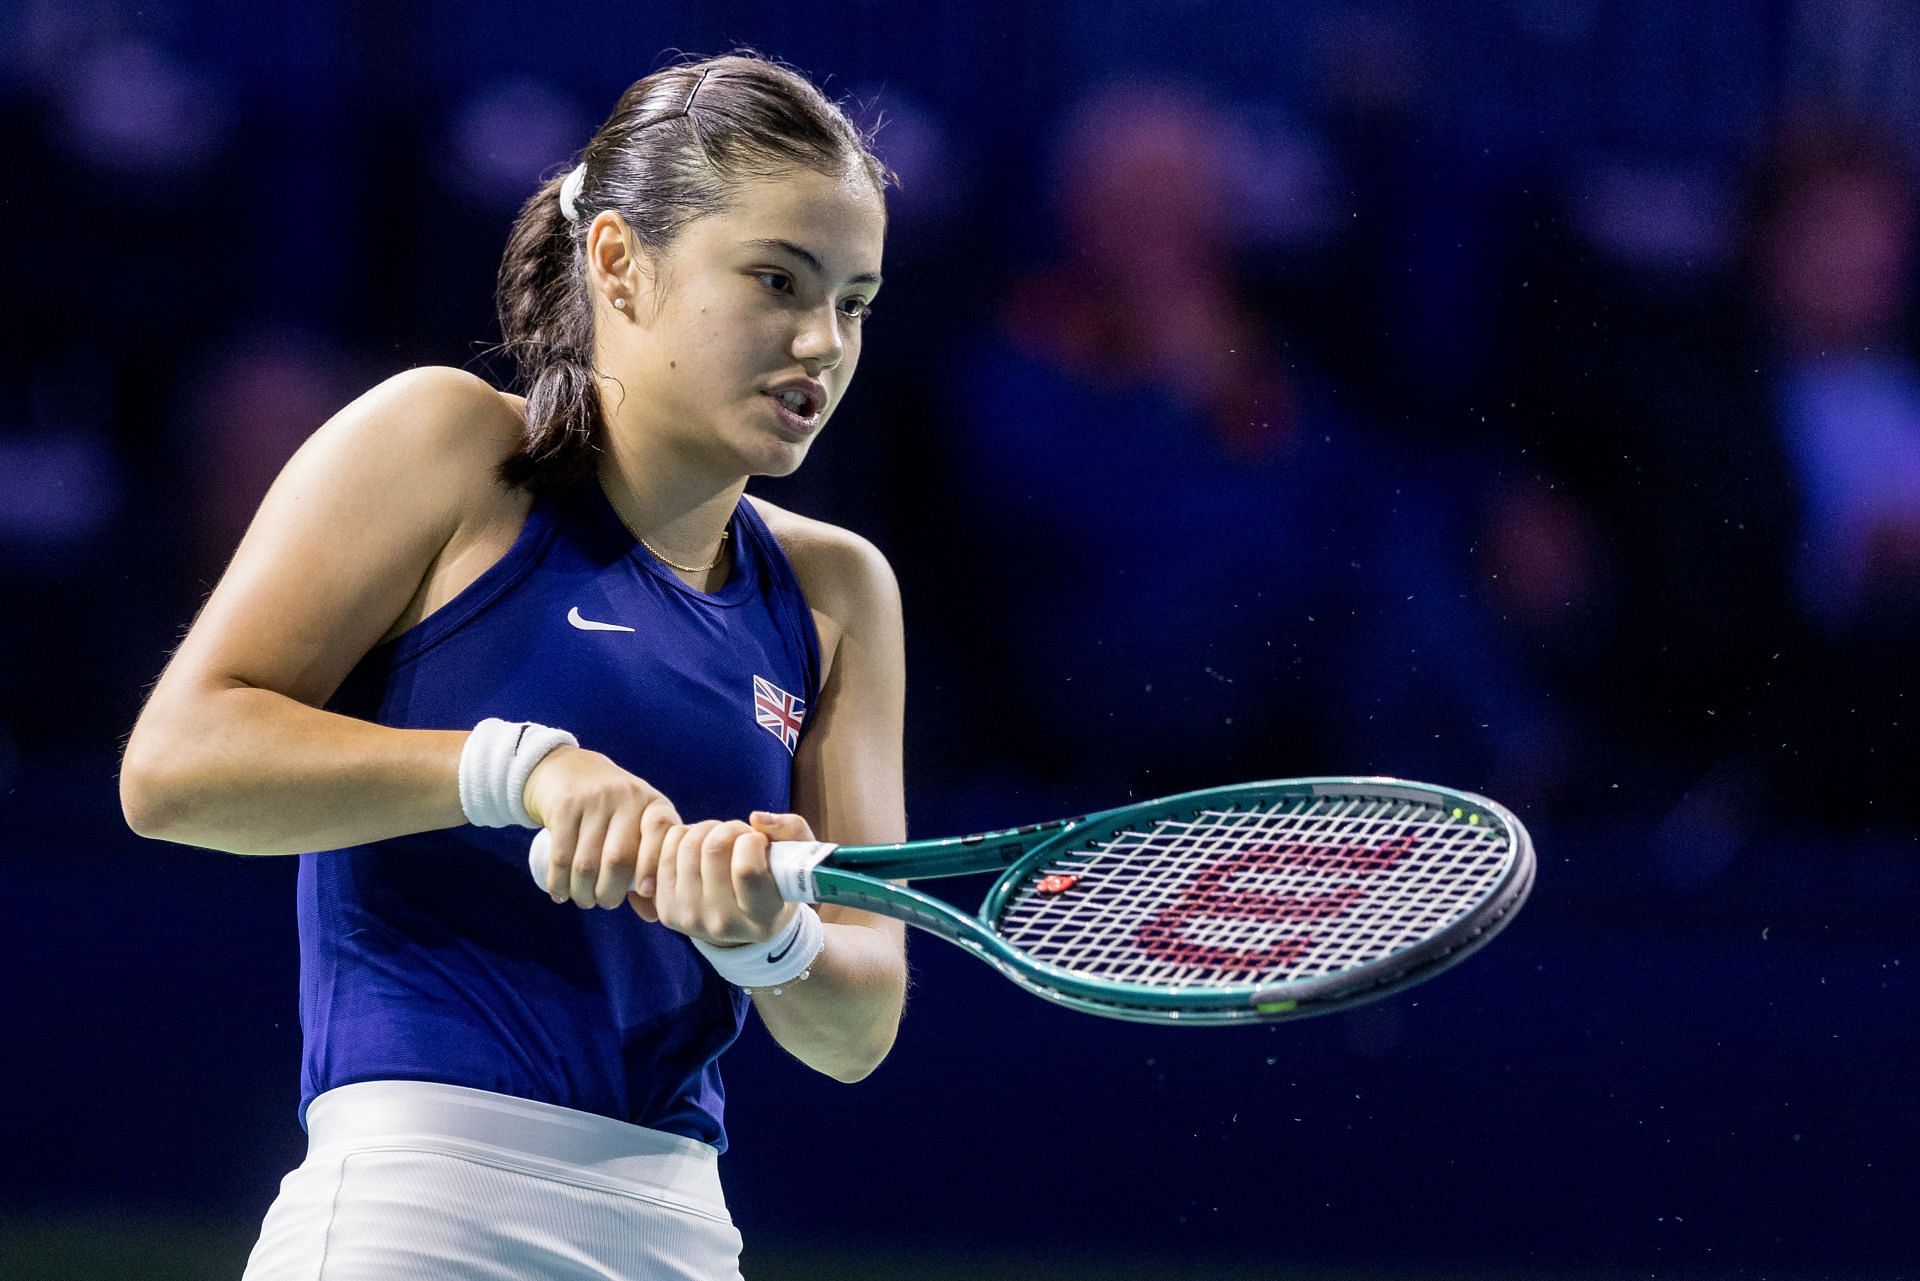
pixel 1251 903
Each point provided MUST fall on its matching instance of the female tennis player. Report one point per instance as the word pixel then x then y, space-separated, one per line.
pixel 460 615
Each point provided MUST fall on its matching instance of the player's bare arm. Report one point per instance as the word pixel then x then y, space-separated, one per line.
pixel 848 787
pixel 232 751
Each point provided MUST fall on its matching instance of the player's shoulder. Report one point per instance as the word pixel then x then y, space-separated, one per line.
pixel 438 406
pixel 840 571
pixel 438 433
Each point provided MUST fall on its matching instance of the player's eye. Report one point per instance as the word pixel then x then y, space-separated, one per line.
pixel 783 283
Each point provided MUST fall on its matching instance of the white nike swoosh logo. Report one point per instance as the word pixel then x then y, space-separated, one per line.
pixel 588 625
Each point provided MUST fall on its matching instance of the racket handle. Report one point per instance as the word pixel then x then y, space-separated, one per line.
pixel 539 854
pixel 793 864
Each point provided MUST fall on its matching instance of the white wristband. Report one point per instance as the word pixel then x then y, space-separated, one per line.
pixel 782 959
pixel 494 765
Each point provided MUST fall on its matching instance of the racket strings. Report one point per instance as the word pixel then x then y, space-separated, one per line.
pixel 1256 895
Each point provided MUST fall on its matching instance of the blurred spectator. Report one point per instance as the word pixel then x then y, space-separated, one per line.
pixel 1748 450
pixel 1480 593
pixel 1122 430
pixel 1832 249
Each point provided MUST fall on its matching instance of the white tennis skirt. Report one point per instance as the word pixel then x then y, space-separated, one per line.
pixel 413 1181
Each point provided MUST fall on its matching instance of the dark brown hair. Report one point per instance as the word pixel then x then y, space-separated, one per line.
pixel 676 149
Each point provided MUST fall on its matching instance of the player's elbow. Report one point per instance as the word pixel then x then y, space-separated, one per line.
pixel 857 1063
pixel 136 806
pixel 143 788
pixel 150 803
pixel 151 799
pixel 857 1056
pixel 853 1051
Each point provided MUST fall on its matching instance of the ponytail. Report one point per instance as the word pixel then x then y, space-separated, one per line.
pixel 546 325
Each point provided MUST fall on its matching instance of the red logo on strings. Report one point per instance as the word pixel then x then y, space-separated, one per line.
pixel 1210 896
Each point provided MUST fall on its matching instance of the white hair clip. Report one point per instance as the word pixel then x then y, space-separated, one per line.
pixel 570 191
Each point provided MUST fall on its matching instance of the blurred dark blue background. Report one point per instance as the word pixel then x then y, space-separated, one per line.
pixel 1516 394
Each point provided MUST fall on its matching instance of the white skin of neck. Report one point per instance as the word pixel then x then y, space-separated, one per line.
pixel 706 329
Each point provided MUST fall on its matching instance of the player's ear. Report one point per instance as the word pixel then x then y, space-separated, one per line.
pixel 619 266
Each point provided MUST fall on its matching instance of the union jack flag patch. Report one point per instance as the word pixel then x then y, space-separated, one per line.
pixel 778 712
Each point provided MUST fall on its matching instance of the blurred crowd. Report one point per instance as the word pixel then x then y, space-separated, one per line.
pixel 1218 427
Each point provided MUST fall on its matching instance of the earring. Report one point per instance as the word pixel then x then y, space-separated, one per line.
pixel 620 303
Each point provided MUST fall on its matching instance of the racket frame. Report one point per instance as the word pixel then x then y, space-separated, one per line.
pixel 864 877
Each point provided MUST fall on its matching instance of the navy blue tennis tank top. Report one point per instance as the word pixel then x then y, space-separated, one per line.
pixel 435 957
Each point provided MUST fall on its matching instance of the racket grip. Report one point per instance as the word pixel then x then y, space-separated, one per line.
pixel 539 854
pixel 793 864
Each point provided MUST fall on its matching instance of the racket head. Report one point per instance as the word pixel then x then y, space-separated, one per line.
pixel 1260 902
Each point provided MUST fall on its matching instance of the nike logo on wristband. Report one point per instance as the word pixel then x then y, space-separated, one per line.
pixel 588 625
pixel 774 958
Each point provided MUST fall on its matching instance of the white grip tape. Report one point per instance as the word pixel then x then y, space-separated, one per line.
pixel 539 855
pixel 793 863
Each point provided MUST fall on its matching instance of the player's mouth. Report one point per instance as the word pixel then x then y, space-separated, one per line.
pixel 798 412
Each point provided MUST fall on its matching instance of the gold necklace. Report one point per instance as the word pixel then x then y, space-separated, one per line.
pixel 685 569
pixel 690 569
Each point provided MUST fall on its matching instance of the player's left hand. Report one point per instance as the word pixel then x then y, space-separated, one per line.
pixel 713 881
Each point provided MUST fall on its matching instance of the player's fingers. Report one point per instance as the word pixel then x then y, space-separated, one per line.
pixel 655 822
pixel 620 851
pixel 753 889
pixel 680 908
pixel 666 872
pixel 719 910
pixel 689 901
pixel 781 827
pixel 560 842
pixel 587 851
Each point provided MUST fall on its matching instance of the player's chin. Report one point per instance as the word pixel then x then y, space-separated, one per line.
pixel 782 460
pixel 778 453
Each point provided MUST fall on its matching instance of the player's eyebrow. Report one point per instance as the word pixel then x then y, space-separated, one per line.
pixel 812 260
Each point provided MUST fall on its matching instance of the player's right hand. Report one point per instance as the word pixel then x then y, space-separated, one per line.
pixel 603 822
